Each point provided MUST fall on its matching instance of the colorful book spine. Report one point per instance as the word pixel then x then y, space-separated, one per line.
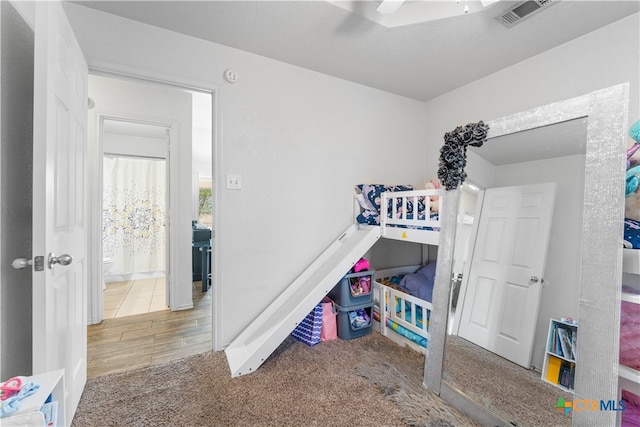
pixel 553 370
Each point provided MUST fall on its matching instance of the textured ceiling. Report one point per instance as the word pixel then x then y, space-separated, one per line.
pixel 419 61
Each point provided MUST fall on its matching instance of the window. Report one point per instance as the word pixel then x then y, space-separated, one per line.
pixel 204 202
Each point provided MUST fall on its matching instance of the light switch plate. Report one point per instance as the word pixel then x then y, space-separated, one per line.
pixel 234 182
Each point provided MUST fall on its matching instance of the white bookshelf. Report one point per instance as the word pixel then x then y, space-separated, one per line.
pixel 29 414
pixel 555 360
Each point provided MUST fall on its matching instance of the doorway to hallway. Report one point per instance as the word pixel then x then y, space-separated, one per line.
pixel 148 112
pixel 131 333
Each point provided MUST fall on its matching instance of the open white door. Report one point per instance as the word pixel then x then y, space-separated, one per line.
pixel 500 306
pixel 59 217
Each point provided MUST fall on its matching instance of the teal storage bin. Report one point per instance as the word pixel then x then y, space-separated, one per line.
pixel 346 329
pixel 349 291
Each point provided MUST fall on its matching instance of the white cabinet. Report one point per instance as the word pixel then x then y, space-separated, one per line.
pixel 560 356
pixel 29 414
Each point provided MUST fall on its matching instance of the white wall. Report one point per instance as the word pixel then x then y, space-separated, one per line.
pixel 131 145
pixel 152 104
pixel 299 139
pixel 202 134
pixel 16 167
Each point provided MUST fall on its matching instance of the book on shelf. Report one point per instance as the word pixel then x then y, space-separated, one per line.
pixel 558 343
pixel 565 342
pixel 553 341
pixel 553 369
pixel 572 375
pixel 566 375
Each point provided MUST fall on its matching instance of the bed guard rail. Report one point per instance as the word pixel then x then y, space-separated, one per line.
pixel 400 208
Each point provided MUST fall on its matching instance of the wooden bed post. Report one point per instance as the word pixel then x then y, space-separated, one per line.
pixel 434 361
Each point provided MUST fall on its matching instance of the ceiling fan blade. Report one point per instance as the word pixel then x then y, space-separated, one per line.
pixel 389 6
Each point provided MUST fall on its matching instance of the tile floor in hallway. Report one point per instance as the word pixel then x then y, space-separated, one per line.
pixel 131 342
pixel 134 297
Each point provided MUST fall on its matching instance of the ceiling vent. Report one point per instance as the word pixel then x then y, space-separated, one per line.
pixel 521 11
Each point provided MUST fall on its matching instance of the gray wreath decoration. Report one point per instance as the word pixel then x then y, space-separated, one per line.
pixel 453 154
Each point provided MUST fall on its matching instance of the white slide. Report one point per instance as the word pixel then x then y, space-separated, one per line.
pixel 251 348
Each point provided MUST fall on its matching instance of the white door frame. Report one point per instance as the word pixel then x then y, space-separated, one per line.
pixel 96 304
pixel 467 266
pixel 110 69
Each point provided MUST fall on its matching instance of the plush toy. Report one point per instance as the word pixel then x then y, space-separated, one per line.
pixel 435 200
pixel 361 265
pixel 634 133
pixel 632 201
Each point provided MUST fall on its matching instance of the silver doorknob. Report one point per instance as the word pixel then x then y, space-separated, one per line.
pixel 20 263
pixel 534 279
pixel 63 259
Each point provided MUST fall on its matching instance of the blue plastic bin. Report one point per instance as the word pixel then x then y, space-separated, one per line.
pixel 346 293
pixel 346 330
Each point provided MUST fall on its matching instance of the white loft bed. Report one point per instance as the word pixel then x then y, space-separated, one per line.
pixel 398 220
pixel 629 378
pixel 401 317
pixel 261 337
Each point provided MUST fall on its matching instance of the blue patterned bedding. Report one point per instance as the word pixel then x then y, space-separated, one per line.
pixel 631 233
pixel 370 196
pixel 402 330
pixel 399 329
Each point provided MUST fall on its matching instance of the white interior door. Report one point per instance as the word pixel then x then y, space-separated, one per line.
pixel 59 281
pixel 500 306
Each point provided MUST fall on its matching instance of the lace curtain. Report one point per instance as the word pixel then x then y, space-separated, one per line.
pixel 134 214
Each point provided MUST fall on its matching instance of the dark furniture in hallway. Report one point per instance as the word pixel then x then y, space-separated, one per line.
pixel 201 255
